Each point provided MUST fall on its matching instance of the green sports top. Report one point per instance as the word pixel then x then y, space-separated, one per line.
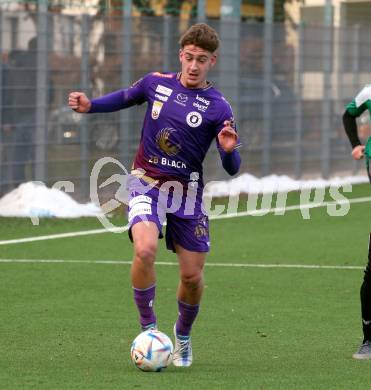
pixel 361 102
pixel 368 148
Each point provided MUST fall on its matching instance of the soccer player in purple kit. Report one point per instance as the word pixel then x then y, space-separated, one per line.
pixel 185 113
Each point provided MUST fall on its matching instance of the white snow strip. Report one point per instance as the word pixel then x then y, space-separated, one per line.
pixel 34 199
pixel 213 217
pixel 250 184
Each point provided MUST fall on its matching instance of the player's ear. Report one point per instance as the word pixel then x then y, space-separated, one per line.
pixel 213 60
pixel 180 54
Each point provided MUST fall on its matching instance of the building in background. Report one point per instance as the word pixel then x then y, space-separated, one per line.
pixel 287 67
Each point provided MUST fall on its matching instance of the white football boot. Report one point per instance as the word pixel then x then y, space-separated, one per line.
pixel 182 356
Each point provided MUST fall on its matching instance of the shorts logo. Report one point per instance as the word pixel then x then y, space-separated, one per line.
pixel 156 109
pixel 194 119
pixel 201 230
pixel 164 90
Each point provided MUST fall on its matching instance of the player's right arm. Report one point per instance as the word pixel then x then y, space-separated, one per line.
pixel 111 102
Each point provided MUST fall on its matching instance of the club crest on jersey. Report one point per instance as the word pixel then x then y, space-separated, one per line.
pixel 194 119
pixel 166 142
pixel 156 109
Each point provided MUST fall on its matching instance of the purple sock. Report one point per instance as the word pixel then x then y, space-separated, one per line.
pixel 144 299
pixel 187 315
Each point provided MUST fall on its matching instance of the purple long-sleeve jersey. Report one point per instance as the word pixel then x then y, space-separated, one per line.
pixel 179 126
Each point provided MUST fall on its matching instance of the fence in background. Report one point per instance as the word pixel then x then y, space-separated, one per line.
pixel 288 86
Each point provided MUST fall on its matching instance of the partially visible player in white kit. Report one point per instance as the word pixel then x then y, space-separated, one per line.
pixel 354 109
pixel 185 114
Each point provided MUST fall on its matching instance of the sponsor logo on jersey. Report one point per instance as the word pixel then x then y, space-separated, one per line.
pixel 166 143
pixel 167 162
pixel 181 99
pixel 164 90
pixel 161 97
pixel 203 100
pixel 159 74
pixel 156 109
pixel 199 106
pixel 194 119
pixel 173 163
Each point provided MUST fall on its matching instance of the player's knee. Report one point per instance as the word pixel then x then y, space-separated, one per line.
pixel 145 254
pixel 192 280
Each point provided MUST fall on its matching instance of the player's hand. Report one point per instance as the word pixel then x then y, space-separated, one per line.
pixel 79 102
pixel 358 152
pixel 227 137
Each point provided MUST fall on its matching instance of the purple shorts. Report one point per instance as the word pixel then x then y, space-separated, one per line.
pixel 187 227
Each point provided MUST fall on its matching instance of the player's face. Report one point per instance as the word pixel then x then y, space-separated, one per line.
pixel 196 63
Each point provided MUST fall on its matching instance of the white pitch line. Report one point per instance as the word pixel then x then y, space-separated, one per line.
pixel 62 235
pixel 212 217
pixel 169 263
pixel 291 208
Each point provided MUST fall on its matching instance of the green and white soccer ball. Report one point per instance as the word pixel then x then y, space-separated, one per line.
pixel 152 350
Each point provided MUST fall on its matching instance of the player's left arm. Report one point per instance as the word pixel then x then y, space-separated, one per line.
pixel 352 111
pixel 228 142
pixel 350 126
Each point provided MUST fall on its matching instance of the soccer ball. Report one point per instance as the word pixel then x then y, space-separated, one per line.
pixel 151 350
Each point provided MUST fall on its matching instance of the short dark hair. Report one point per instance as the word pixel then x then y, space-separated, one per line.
pixel 201 35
